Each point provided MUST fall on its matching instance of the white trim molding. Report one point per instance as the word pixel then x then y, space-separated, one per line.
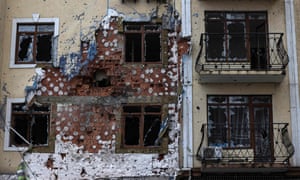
pixel 13 37
pixel 9 103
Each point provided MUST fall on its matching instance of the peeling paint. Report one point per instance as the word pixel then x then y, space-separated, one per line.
pixel 87 132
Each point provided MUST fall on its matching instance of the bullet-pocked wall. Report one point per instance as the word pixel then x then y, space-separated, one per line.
pixel 92 79
pixel 278 91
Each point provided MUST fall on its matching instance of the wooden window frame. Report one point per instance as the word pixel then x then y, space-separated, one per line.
pixel 142 31
pixel 250 104
pixel 225 22
pixel 14 43
pixel 29 115
pixel 121 147
pixel 34 42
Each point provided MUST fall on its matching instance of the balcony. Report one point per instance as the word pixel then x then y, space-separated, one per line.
pixel 246 151
pixel 241 57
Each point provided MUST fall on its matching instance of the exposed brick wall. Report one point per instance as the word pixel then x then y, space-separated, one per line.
pixel 94 126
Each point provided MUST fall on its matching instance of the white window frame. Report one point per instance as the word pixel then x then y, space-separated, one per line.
pixel 9 103
pixel 15 22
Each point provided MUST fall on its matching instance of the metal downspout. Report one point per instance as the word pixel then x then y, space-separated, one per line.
pixel 293 79
pixel 187 63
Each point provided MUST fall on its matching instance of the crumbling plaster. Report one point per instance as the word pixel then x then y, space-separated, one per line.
pixel 81 149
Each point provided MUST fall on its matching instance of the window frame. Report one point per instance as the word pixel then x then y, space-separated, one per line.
pixel 15 22
pixel 121 147
pixel 48 147
pixel 251 106
pixel 143 32
pixel 226 21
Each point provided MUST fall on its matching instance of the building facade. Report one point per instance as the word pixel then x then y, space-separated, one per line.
pixel 245 95
pixel 158 89
pixel 91 90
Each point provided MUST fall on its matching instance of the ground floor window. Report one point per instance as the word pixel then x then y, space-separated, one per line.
pixel 235 121
pixel 27 125
pixel 141 125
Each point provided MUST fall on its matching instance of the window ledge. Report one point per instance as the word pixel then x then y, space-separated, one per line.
pixel 20 66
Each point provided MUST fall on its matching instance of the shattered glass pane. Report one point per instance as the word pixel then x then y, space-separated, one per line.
pixel 235 16
pixel 31 124
pixel 260 16
pixel 45 28
pixel 151 129
pixel 238 99
pixel 239 126
pixel 217 99
pixel 26 28
pixel 25 53
pixel 217 126
pixel 236 40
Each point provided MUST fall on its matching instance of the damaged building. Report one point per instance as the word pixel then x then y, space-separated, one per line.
pixel 103 101
pixel 149 89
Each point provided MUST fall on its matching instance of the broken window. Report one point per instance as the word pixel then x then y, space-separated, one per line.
pixel 240 122
pixel 237 36
pixel 34 43
pixel 142 43
pixel 141 125
pixel 29 126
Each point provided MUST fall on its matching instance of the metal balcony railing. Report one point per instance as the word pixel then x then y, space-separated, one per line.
pixel 222 144
pixel 241 51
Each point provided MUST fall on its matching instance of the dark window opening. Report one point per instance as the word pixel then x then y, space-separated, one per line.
pixel 132 125
pixel 32 125
pixel 152 49
pixel 34 43
pixel 237 36
pixel 101 79
pixel 44 45
pixel 133 48
pixel 25 48
pixel 142 43
pixel 141 125
pixel 241 122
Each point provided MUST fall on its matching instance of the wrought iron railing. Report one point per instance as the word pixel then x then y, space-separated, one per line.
pixel 248 51
pixel 245 145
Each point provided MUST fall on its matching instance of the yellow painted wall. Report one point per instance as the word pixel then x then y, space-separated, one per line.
pixel 279 92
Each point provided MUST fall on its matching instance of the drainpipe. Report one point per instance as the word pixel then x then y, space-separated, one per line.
pixel 293 78
pixel 187 139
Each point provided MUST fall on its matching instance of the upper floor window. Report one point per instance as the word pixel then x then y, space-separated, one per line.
pixel 142 43
pixel 33 42
pixel 26 126
pixel 237 36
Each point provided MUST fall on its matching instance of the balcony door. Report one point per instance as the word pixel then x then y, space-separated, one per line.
pixel 262 133
pixel 241 122
pixel 258 41
pixel 237 37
